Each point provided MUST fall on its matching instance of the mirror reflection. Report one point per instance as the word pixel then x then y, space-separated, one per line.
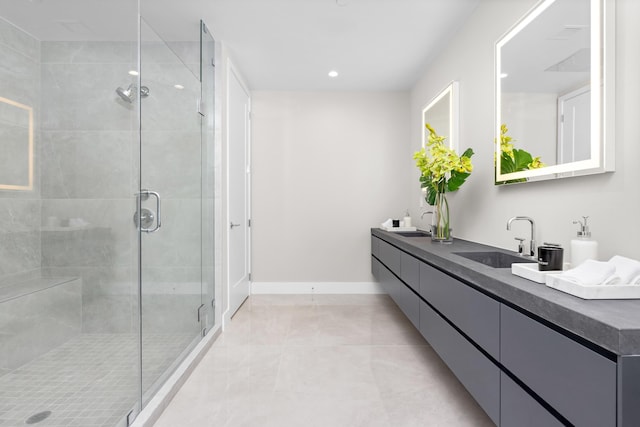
pixel 440 113
pixel 548 80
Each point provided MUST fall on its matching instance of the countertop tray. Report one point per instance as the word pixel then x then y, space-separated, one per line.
pixel 398 229
pixel 594 291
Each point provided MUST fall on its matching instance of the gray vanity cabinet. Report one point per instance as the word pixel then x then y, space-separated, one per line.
pixel 403 296
pixel 518 409
pixel 474 313
pixel 410 271
pixel 523 369
pixel 474 370
pixel 390 256
pixel 575 380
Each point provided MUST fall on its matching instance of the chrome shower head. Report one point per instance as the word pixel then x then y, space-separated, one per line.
pixel 129 94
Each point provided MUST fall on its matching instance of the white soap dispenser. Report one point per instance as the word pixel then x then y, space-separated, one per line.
pixel 583 247
pixel 407 219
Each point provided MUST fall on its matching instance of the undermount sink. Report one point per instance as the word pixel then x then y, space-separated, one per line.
pixel 417 233
pixel 494 259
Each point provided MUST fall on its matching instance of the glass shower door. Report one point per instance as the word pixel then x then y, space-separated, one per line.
pixel 170 203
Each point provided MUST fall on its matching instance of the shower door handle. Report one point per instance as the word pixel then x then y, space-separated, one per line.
pixel 158 213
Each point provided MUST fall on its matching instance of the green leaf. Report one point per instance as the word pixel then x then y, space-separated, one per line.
pixel 431 197
pixel 506 164
pixel 522 159
pixel 456 180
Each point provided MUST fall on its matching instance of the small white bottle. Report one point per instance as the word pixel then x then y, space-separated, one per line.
pixel 407 219
pixel 583 248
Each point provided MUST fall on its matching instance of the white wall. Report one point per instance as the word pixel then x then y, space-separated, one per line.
pixel 327 166
pixel 480 210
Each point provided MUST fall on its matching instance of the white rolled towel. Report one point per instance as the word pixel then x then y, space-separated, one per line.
pixel 387 224
pixel 591 273
pixel 627 269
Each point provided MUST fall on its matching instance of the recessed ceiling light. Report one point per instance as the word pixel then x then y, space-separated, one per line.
pixel 179 87
pixel 133 72
pixel 333 73
pixel 503 75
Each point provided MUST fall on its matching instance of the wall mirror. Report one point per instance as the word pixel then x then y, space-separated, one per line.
pixel 554 92
pixel 442 115
pixel 16 139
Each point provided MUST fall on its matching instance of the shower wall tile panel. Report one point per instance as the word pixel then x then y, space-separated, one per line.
pixel 109 297
pixel 72 101
pixel 33 324
pixel 168 108
pixel 89 168
pixel 19 252
pixel 89 52
pixel 19 210
pixel 178 243
pixel 87 164
pixel 105 241
pixel 176 173
pixel 19 41
pixel 20 76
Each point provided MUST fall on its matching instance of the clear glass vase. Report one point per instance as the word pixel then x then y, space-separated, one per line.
pixel 441 226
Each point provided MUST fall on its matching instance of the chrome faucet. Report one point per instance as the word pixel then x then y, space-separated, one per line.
pixel 532 243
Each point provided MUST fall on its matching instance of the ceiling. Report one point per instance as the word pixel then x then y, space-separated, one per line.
pixel 277 44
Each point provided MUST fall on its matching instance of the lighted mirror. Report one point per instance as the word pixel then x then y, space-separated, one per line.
pixel 554 92
pixel 441 113
pixel 16 139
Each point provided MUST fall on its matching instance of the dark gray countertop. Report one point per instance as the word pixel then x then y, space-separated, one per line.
pixel 610 324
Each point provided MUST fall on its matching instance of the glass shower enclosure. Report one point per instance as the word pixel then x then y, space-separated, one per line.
pixel 106 209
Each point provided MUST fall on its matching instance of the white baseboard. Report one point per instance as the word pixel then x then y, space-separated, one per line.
pixel 304 288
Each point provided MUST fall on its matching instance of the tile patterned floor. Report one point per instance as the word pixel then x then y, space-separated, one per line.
pixel 330 361
pixel 90 381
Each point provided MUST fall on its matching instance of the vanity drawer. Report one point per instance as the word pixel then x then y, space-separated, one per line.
pixel 375 246
pixel 518 409
pixel 375 268
pixel 575 380
pixel 410 271
pixel 408 302
pixel 474 370
pixel 476 314
pixel 390 256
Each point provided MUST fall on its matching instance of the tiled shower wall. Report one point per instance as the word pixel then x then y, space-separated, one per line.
pixel 89 143
pixel 77 222
pixel 19 210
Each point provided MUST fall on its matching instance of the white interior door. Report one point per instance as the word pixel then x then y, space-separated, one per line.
pixel 239 266
pixel 574 132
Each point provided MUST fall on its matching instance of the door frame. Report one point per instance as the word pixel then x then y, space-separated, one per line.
pixel 560 128
pixel 233 72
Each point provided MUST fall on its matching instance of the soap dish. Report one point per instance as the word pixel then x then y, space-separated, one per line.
pixel 593 291
pixel 529 270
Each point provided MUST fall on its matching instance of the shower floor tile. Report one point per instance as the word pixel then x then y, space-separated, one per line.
pixel 91 380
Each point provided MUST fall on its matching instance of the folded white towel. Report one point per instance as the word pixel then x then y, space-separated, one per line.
pixel 626 268
pixel 387 224
pixel 614 279
pixel 590 273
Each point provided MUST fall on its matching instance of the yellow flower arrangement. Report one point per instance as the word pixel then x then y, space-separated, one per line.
pixel 441 168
